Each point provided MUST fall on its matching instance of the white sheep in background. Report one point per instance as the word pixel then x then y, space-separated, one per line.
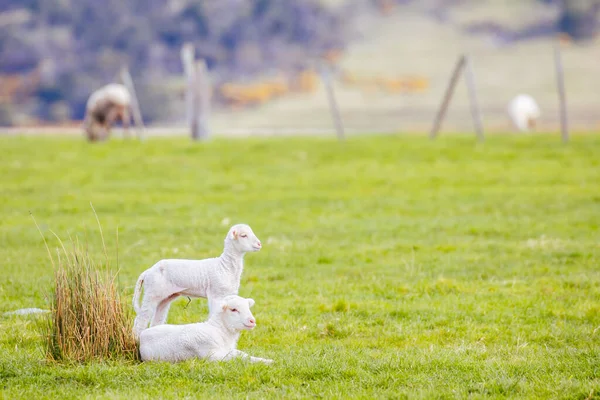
pixel 104 107
pixel 524 112
pixel 215 339
pixel 212 278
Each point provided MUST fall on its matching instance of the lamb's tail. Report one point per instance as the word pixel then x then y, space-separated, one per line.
pixel 136 293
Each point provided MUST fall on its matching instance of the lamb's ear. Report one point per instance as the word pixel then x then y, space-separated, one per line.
pixel 234 235
pixel 250 302
pixel 223 306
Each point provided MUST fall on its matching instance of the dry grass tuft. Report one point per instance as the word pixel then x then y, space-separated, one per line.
pixel 88 320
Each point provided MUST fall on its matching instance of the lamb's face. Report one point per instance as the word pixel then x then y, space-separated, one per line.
pixel 95 131
pixel 237 314
pixel 243 239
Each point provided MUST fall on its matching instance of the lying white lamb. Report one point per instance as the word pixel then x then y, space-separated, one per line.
pixel 524 112
pixel 212 278
pixel 215 339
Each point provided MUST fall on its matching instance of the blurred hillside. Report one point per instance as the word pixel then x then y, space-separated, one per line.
pixel 513 54
pixel 53 53
pixel 57 51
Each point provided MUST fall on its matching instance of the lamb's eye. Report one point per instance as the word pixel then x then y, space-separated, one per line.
pixel 244 235
pixel 234 310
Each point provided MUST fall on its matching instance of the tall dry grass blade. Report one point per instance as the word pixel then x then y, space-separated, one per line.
pixel 101 234
pixel 117 235
pixel 61 243
pixel 44 238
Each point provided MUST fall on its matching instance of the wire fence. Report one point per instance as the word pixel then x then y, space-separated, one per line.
pixel 393 79
pixel 408 100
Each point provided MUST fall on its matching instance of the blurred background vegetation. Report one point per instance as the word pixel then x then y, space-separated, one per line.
pixel 53 53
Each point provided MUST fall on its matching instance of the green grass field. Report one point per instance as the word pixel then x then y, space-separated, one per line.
pixel 392 267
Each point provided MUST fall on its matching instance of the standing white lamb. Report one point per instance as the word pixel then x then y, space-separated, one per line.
pixel 215 339
pixel 104 107
pixel 212 278
pixel 524 112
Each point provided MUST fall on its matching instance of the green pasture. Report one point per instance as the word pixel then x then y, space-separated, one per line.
pixel 392 266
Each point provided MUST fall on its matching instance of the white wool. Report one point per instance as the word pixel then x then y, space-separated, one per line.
pixel 113 92
pixel 524 112
pixel 215 339
pixel 212 278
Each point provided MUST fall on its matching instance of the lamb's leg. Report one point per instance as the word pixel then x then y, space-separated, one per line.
pixel 145 315
pixel 111 118
pixel 219 356
pixel 160 317
pixel 260 360
pixel 226 356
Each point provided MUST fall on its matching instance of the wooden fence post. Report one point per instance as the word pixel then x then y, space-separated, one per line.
pixel 475 108
pixel 135 105
pixel 202 93
pixel 560 82
pixel 333 106
pixel 198 93
pixel 447 96
pixel 187 59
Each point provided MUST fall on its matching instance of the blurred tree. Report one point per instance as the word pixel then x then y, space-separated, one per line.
pixel 86 41
pixel 578 18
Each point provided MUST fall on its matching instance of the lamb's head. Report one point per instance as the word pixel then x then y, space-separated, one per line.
pixel 236 313
pixel 93 130
pixel 241 239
